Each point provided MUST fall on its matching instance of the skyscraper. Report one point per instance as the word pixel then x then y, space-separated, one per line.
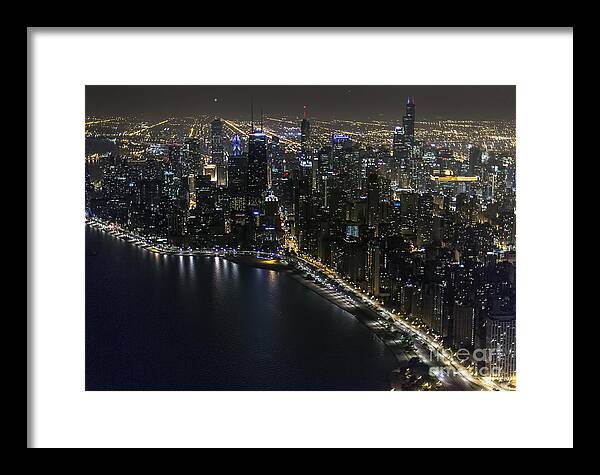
pixel 500 342
pixel 217 151
pixel 237 175
pixel 236 146
pixel 271 218
pixel 408 121
pixel 305 136
pixel 373 199
pixel 401 158
pixel 257 170
pixel 373 270
pixel 216 141
pixel 341 149
pixel 302 211
pixel 474 160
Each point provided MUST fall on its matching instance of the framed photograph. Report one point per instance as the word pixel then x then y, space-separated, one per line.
pixel 301 242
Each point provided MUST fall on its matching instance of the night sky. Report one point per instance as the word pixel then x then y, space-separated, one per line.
pixel 323 102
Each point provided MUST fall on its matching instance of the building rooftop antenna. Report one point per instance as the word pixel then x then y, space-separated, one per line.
pixel 261 119
pixel 251 115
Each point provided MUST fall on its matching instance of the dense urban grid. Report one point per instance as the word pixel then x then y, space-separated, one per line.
pixel 418 216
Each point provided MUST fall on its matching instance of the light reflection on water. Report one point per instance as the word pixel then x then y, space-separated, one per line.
pixel 182 322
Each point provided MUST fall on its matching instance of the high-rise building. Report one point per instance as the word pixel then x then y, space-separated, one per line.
pixel 217 152
pixel 463 327
pixel 274 163
pixel 408 121
pixel 305 135
pixel 341 151
pixel 501 347
pixel 400 158
pixel 236 186
pixel 374 267
pixel 216 141
pixel 373 201
pixel 425 219
pixel 174 159
pixel 474 160
pixel 256 183
pixel 271 217
pixel 302 211
pixel 236 146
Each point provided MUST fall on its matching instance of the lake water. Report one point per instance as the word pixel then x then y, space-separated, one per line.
pixel 200 323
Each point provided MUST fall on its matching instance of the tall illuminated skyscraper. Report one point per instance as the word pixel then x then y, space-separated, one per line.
pixel 236 146
pixel 237 175
pixel 216 141
pixel 408 121
pixel 474 160
pixel 217 151
pixel 257 169
pixel 373 198
pixel 398 140
pixel 500 340
pixel 401 155
pixel 305 136
pixel 341 149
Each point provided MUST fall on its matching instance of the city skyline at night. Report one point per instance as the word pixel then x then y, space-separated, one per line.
pixel 395 205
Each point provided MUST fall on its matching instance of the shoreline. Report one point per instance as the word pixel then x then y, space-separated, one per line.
pixel 413 355
pixel 364 315
pixel 417 357
pixel 395 339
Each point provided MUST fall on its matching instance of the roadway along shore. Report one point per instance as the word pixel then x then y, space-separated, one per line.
pixel 429 351
pixel 407 351
pixel 384 324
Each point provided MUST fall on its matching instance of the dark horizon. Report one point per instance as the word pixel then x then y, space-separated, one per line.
pixel 323 102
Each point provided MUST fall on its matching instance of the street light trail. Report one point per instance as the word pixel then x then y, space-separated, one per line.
pixel 235 127
pixel 145 129
pixel 446 356
pixel 101 121
pixel 266 130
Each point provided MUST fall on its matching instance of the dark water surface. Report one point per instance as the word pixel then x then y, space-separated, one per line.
pixel 198 323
